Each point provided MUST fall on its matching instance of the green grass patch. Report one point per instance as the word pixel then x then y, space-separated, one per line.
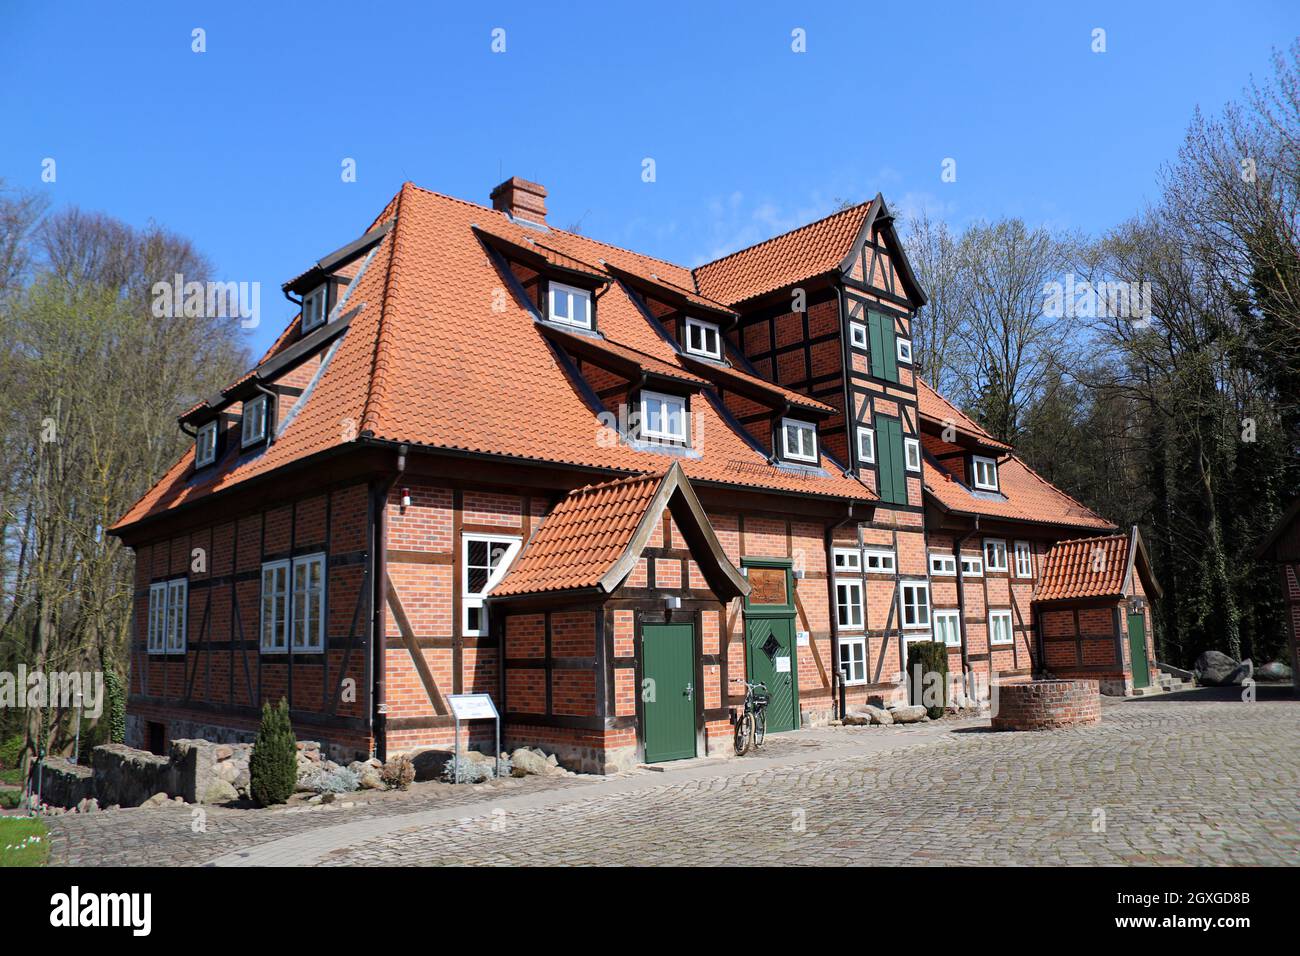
pixel 13 775
pixel 10 799
pixel 23 842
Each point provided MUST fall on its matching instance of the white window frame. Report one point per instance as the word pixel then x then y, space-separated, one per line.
pixel 852 560
pixel 169 607
pixel 879 560
pixel 915 606
pixel 314 626
pixel 245 438
pixel 857 661
pixel 852 586
pixel 705 328
pixel 574 295
pixel 475 599
pixel 315 303
pixel 870 435
pixel 947 615
pixel 1011 634
pixel 807 428
pixel 661 435
pixel 942 564
pixel 858 335
pixel 156 630
pixel 975 462
pixel 971 565
pixel 999 547
pixel 904 350
pixel 1024 559
pixel 205 445
pixel 281 599
pixel 912 454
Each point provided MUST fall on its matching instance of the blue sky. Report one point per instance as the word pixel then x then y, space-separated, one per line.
pixel 240 147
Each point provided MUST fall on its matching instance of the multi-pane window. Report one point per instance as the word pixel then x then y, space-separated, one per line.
pixel 995 554
pixel 569 305
pixel 486 559
pixel 254 424
pixel 915 599
pixel 703 338
pixel 848 559
pixel 867 445
pixel 879 560
pixel 972 566
pixel 947 627
pixel 308 613
pixel 853 659
pixel 798 440
pixel 848 604
pixel 941 563
pixel 912 450
pixel 1000 627
pixel 205 445
pixel 1024 560
pixel 275 607
pixel 313 308
pixel 984 473
pixel 168 608
pixel 663 417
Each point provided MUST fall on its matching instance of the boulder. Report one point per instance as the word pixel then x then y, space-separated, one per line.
pixel 854 720
pixel 429 763
pixel 1219 670
pixel 88 805
pixel 159 799
pixel 218 791
pixel 1274 670
pixel 524 762
pixel 872 714
pixel 907 713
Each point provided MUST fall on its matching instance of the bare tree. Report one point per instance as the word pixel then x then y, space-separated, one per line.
pixel 939 333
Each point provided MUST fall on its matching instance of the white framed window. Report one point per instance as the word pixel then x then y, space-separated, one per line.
pixel 972 566
pixel 157 618
pixel 904 350
pixel 275 607
pixel 995 554
pixel 848 604
pixel 857 335
pixel 313 308
pixel 853 659
pixel 663 417
pixel 485 559
pixel 168 609
pixel 912 454
pixel 942 564
pixel 867 444
pixel 1024 560
pixel 984 473
pixel 205 445
pixel 848 559
pixel 880 560
pixel 253 429
pixel 798 440
pixel 307 612
pixel 703 338
pixel 568 305
pixel 1000 627
pixel 947 628
pixel 915 601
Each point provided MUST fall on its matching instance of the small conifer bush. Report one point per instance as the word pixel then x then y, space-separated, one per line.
pixel 273 766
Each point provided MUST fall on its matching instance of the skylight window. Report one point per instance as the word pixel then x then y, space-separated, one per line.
pixel 205 445
pixel 703 338
pixel 663 417
pixel 254 424
pixel 313 308
pixel 798 440
pixel 569 305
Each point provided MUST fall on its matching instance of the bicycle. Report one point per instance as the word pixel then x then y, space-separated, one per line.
pixel 751 724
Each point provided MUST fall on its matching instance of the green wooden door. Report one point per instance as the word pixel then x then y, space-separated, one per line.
pixel 668 664
pixel 1137 642
pixel 770 653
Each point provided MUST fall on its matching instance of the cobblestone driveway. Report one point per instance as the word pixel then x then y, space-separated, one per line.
pixel 1169 780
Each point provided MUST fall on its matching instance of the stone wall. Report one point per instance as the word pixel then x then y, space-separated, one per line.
pixel 63 783
pixel 1047 705
pixel 128 777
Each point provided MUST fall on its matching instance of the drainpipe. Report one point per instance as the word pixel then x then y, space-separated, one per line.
pixel 378 695
pixel 961 605
pixel 837 683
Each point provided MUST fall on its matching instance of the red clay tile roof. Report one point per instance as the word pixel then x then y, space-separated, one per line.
pixel 938 409
pixel 1025 497
pixel 803 253
pixel 1084 568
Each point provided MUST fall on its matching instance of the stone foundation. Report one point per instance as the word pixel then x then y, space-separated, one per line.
pixel 1047 705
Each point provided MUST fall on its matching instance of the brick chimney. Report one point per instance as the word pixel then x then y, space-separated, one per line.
pixel 521 199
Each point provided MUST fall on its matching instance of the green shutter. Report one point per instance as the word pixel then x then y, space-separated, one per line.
pixel 884 348
pixel 891 465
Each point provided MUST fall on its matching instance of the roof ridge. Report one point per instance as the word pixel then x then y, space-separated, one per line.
pixel 1097 537
pixel 1048 484
pixel 625 480
pixel 370 411
pixel 781 235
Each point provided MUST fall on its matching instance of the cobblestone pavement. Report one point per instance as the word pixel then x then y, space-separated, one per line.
pixel 1178 779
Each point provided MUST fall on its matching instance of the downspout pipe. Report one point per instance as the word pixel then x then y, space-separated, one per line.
pixel 961 604
pixel 836 680
pixel 378 628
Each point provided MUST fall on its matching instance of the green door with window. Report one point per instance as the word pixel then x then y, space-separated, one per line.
pixel 1137 643
pixel 770 656
pixel 668 691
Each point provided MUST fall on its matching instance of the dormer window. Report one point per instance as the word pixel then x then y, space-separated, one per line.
pixel 569 305
pixel 905 351
pixel 205 445
pixel 703 338
pixel 798 441
pixel 314 308
pixel 984 473
pixel 663 418
pixel 254 425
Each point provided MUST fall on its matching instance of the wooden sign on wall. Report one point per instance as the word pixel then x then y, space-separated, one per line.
pixel 768 586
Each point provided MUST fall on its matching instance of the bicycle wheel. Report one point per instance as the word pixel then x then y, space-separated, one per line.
pixel 744 733
pixel 760 726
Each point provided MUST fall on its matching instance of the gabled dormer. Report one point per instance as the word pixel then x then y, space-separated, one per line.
pixel 557 289
pixel 319 289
